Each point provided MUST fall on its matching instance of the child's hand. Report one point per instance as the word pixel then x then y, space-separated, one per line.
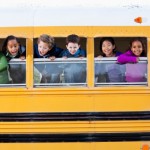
pixel 22 57
pixel 81 57
pixel 64 57
pixel 100 56
pixel 52 58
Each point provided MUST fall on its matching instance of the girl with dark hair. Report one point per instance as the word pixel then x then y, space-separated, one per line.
pixel 108 47
pixel 108 72
pixel 136 50
pixel 13 49
pixel 134 72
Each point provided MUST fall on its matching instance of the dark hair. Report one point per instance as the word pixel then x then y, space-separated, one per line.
pixel 9 38
pixel 73 38
pixel 140 40
pixel 111 40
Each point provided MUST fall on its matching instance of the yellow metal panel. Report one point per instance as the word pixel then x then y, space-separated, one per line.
pixel 90 58
pixel 22 32
pixel 74 103
pixel 46 146
pixel 119 145
pixel 74 146
pixel 85 31
pixel 29 63
pixel 71 99
pixel 94 31
pixel 75 127
pixel 122 102
pixel 46 103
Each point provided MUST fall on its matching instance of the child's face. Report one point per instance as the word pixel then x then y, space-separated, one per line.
pixel 137 48
pixel 107 48
pixel 43 48
pixel 13 47
pixel 73 47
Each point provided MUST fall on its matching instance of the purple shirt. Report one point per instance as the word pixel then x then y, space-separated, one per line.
pixel 127 57
pixel 134 72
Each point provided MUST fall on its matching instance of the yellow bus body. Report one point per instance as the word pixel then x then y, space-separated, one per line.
pixel 75 99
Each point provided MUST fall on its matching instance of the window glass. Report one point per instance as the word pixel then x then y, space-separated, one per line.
pixel 69 72
pixel 118 61
pixel 62 71
pixel 17 72
pixel 109 72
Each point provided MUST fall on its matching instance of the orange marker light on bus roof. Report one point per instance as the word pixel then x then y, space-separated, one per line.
pixel 145 147
pixel 138 20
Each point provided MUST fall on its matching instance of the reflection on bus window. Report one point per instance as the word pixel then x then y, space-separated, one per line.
pixel 15 74
pixel 61 72
pixel 108 72
pixel 125 69
pixel 136 72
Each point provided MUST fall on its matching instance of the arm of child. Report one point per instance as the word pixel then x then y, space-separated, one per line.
pixel 22 57
pixel 23 52
pixel 81 57
pixel 3 62
pixel 64 57
pixel 100 56
pixel 82 54
pixel 52 58
pixel 124 58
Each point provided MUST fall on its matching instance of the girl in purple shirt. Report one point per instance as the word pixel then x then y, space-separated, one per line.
pixel 134 72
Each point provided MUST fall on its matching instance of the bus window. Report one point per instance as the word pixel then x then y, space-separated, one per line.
pixel 14 72
pixel 109 72
pixel 60 72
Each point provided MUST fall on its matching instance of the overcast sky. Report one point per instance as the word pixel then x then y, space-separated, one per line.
pixel 66 3
pixel 73 12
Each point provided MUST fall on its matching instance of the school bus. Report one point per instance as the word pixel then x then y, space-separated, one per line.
pixel 87 115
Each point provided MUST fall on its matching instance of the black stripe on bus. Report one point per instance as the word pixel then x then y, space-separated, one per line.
pixel 75 116
pixel 80 137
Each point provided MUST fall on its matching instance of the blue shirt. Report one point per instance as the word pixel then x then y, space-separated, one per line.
pixel 55 51
pixel 79 53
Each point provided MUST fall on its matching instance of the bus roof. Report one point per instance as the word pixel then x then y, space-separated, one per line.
pixel 74 13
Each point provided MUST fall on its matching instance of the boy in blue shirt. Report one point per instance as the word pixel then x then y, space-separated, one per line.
pixel 74 72
pixel 46 48
pixel 73 48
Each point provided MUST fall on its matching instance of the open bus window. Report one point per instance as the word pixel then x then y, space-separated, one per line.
pixel 12 68
pixel 109 72
pixel 60 72
pixel 17 72
pixel 69 72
